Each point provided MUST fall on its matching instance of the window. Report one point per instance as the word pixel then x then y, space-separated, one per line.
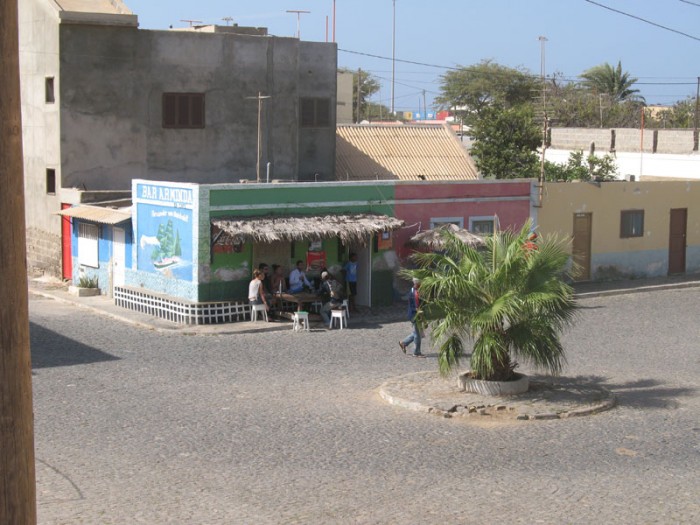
pixel 315 112
pixel 482 225
pixel 631 223
pixel 49 94
pixel 183 110
pixel 87 244
pixel 439 221
pixel 50 181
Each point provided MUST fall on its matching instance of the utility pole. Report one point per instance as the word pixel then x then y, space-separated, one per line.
pixel 425 108
pixel 359 93
pixel 334 21
pixel 393 58
pixel 542 40
pixel 260 99
pixel 17 474
pixel 697 117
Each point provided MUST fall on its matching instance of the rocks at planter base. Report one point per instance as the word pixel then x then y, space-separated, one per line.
pixel 83 292
pixel 493 388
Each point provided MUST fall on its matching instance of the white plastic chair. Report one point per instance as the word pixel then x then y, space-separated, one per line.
pixel 340 316
pixel 301 321
pixel 254 309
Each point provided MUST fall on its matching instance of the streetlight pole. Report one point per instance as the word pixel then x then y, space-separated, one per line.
pixel 542 40
pixel 258 161
pixel 298 13
pixel 393 57
pixel 17 472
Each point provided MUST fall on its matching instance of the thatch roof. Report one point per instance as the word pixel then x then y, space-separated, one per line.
pixel 434 239
pixel 348 228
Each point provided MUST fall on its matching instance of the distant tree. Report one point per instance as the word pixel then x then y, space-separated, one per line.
pixel 505 142
pixel 477 87
pixel 369 85
pixel 680 115
pixel 612 81
pixel 582 168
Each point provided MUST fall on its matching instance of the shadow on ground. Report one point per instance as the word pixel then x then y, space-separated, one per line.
pixel 50 349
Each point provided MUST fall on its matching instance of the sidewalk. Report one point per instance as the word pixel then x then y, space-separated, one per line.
pixel 55 289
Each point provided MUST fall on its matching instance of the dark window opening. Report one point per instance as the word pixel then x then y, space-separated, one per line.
pixel 49 91
pixel 315 112
pixel 631 223
pixel 183 110
pixel 51 181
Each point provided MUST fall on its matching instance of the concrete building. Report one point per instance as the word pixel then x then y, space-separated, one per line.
pixel 104 102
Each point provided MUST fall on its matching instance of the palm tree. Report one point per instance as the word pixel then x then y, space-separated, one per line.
pixel 509 299
pixel 605 79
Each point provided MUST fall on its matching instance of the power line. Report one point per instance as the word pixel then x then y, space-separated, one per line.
pixel 643 20
pixel 691 3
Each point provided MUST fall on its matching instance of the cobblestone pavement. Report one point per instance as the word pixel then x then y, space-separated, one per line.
pixel 140 426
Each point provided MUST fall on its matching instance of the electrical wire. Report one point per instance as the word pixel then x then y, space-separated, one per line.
pixel 643 20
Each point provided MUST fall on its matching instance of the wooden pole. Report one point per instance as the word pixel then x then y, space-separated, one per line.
pixel 17 475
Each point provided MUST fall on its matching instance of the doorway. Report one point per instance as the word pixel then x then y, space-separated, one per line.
pixel 364 273
pixel 118 258
pixel 66 250
pixel 581 246
pixel 677 240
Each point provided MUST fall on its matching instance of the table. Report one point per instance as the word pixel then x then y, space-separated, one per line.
pixel 300 299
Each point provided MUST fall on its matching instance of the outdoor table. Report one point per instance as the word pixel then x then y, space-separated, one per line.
pixel 300 298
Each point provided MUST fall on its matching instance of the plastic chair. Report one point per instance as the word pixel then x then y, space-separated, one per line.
pixel 340 316
pixel 346 305
pixel 254 309
pixel 301 321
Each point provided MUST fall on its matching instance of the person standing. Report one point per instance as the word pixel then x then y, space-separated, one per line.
pixel 413 309
pixel 350 270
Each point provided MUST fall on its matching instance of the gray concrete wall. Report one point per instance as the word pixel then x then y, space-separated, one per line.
pixel 678 141
pixel 38 45
pixel 112 106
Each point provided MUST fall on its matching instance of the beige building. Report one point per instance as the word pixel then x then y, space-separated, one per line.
pixel 626 229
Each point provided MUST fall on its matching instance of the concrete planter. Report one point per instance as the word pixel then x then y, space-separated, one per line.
pixel 83 292
pixel 493 388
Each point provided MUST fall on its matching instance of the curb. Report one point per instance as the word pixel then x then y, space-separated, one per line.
pixel 639 289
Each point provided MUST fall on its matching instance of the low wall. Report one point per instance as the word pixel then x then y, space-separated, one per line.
pixel 681 141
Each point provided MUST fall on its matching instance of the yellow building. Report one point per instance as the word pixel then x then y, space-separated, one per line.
pixel 625 229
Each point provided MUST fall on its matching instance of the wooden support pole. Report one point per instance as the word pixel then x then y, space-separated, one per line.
pixel 17 475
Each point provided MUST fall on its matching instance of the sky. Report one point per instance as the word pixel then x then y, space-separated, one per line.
pixel 451 33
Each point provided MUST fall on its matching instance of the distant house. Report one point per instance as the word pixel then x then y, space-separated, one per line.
pixel 104 102
pixel 624 229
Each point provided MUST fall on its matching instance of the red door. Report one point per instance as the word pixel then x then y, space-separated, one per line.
pixel 66 245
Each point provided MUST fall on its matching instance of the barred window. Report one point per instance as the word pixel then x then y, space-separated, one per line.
pixel 183 110
pixel 88 239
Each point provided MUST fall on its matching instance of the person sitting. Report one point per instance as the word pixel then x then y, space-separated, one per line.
pixel 255 291
pixel 331 295
pixel 266 282
pixel 297 279
pixel 279 283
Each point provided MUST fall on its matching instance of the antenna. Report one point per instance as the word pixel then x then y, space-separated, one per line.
pixel 298 13
pixel 228 20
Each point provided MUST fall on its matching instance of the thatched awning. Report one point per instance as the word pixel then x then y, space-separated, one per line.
pixel 348 228
pixel 434 239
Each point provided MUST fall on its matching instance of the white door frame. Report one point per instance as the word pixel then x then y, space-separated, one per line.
pixel 118 257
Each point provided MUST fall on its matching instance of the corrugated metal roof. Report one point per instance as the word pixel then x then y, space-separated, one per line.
pixel 97 214
pixel 370 152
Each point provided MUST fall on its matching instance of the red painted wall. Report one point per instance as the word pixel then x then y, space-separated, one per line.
pixel 419 202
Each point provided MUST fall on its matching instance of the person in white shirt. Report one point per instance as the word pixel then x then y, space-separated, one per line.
pixel 297 279
pixel 255 290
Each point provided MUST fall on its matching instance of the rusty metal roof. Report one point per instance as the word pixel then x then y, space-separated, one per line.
pixel 97 214
pixel 407 152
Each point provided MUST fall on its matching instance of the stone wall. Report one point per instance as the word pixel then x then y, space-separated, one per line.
pixel 44 251
pixel 678 141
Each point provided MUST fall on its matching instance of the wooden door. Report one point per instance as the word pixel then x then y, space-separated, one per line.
pixel 676 240
pixel 581 247
pixel 66 249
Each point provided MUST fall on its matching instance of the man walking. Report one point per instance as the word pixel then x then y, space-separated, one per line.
pixel 413 306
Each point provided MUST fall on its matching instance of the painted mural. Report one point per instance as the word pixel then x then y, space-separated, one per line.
pixel 165 231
